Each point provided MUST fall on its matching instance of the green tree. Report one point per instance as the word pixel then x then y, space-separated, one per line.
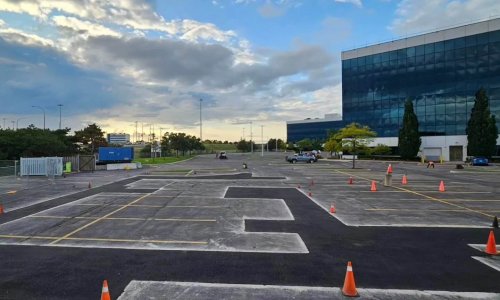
pixel 333 144
pixel 245 146
pixel 482 132
pixel 305 145
pixel 354 136
pixel 273 142
pixel 409 138
pixel 92 136
pixel 381 149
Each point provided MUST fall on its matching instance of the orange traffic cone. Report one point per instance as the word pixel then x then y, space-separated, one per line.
pixel 332 209
pixel 298 186
pixel 441 186
pixel 491 247
pixel 350 180
pixel 405 180
pixel 349 288
pixel 1 209
pixel 105 291
pixel 389 169
pixel 312 182
pixel 90 185
pixel 310 194
pixel 374 186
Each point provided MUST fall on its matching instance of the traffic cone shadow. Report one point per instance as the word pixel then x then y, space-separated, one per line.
pixel 349 288
pixel 491 246
pixel 105 291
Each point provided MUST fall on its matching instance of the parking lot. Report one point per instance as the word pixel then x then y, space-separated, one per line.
pixel 212 227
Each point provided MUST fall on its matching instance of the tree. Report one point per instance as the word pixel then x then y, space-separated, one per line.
pixel 305 145
pixel 273 142
pixel 333 144
pixel 354 136
pixel 245 146
pixel 381 149
pixel 409 138
pixel 482 132
pixel 93 136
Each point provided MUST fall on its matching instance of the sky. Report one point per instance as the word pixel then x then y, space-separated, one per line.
pixel 251 65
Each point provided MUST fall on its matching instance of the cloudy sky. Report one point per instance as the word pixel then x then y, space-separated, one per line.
pixel 125 61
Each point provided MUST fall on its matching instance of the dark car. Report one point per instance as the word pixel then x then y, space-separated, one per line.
pixel 479 161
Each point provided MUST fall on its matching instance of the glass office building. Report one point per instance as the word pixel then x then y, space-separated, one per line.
pixel 440 71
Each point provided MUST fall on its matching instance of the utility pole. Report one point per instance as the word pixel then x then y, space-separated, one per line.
pixel 60 115
pixel 142 134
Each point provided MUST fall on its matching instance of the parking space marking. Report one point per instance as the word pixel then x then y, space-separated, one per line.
pixel 97 220
pixel 128 218
pixel 147 205
pixel 103 239
pixel 427 210
pixel 425 196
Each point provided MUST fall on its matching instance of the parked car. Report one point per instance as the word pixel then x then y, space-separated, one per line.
pixel 222 155
pixel 301 158
pixel 479 161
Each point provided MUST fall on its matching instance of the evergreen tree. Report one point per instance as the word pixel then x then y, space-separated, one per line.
pixel 409 138
pixel 482 132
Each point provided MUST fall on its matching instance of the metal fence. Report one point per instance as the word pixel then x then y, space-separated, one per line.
pixel 41 166
pixel 9 167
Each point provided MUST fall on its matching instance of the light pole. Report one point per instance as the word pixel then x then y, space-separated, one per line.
pixel 13 122
pixel 201 136
pixel 251 138
pixel 17 122
pixel 43 109
pixel 4 123
pixel 60 106
pixel 262 139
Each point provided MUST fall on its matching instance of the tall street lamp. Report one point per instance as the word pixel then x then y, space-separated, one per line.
pixel 60 106
pixel 17 122
pixel 201 137
pixel 43 109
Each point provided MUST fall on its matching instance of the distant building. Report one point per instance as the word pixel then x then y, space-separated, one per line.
pixel 440 71
pixel 118 138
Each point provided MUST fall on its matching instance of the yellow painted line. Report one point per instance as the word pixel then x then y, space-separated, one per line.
pixel 449 192
pixel 103 239
pixel 97 220
pixel 429 197
pixel 125 218
pixel 471 200
pixel 104 204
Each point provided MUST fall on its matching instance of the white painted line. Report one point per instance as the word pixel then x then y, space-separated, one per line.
pixel 490 262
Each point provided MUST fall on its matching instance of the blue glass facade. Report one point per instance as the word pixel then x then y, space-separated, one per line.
pixel 440 77
pixel 311 130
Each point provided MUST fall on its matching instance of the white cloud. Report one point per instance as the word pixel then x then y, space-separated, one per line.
pixel 83 28
pixel 24 38
pixel 358 3
pixel 2 23
pixel 415 16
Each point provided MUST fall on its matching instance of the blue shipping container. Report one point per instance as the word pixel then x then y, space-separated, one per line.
pixel 115 154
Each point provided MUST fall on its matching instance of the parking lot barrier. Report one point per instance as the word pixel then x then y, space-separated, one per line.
pixel 491 247
pixel 349 288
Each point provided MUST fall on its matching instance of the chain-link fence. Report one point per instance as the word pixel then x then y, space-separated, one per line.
pixel 9 167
